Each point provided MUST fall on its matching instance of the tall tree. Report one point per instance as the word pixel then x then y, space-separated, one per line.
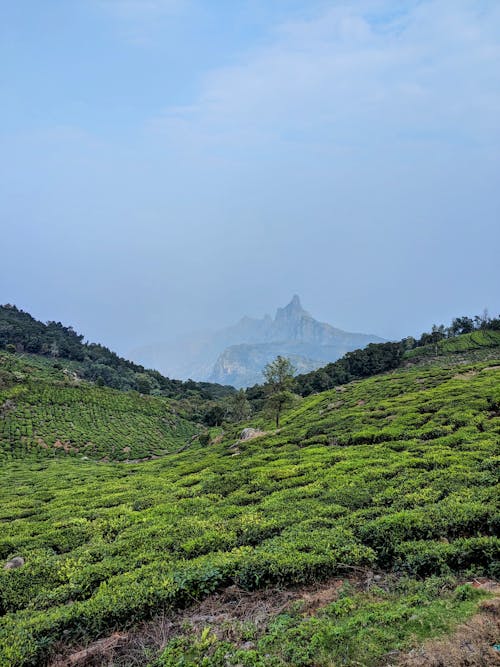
pixel 279 380
pixel 239 407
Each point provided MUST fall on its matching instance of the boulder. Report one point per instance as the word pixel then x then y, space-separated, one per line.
pixel 13 563
pixel 249 433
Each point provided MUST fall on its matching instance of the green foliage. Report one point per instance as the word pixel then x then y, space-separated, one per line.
pixel 238 407
pixel 382 357
pixel 279 380
pixel 357 629
pixel 397 471
pixel 47 412
pixel 475 341
pixel 279 374
pixel 214 416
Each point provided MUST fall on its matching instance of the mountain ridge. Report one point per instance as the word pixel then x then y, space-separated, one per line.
pixel 227 355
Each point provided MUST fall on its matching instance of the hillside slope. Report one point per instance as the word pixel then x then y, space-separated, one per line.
pixel 466 344
pixel 22 333
pixel 397 472
pixel 381 357
pixel 46 411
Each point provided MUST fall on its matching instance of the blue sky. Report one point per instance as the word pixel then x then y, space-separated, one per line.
pixel 168 165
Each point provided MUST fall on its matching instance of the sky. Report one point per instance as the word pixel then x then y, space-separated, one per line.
pixel 172 165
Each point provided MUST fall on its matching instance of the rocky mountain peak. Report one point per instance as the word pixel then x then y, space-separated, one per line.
pixel 292 312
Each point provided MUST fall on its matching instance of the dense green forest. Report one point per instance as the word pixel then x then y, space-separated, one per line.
pixel 395 474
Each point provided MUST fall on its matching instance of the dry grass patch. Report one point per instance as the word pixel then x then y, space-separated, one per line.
pixel 471 645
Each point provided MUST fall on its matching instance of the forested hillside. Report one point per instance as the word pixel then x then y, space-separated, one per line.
pixel 20 332
pixel 465 334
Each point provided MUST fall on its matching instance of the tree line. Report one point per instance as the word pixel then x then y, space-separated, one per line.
pixel 20 332
pixel 381 357
pixel 281 385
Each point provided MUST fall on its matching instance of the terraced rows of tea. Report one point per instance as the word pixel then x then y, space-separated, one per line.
pixel 483 341
pixel 46 413
pixel 397 472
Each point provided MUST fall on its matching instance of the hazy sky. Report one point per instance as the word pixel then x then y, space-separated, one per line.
pixel 168 165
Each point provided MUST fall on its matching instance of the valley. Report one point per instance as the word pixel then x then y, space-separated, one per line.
pixel 387 486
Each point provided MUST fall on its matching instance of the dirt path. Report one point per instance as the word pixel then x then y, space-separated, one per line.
pixel 227 612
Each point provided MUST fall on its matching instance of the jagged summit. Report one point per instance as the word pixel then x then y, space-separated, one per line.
pixel 293 311
pixel 295 305
pixel 294 333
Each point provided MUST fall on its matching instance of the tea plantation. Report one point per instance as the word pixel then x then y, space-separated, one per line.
pixel 471 343
pixel 397 473
pixel 46 411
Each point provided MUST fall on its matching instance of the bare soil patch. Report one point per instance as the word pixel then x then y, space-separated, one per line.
pixel 465 376
pixel 230 611
pixel 226 612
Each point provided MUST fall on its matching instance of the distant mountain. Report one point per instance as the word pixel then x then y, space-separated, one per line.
pixel 237 354
pixel 242 365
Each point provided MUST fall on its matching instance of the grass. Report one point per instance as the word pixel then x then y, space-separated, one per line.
pixel 356 629
pixel 396 472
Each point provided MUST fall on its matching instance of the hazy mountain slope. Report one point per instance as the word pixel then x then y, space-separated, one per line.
pixel 395 473
pixel 241 365
pixel 293 333
pixel 236 355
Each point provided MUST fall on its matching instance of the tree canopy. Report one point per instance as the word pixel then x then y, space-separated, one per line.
pixel 279 381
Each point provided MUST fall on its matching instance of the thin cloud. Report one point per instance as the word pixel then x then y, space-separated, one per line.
pixel 358 74
pixel 140 20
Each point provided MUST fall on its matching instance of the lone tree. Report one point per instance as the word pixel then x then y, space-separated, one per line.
pixel 239 407
pixel 279 380
pixel 214 415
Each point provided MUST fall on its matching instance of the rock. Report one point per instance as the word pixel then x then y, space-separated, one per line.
pixel 249 433
pixel 6 407
pixel 13 563
pixel 247 646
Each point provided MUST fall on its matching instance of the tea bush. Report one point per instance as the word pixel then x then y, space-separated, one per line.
pixel 47 414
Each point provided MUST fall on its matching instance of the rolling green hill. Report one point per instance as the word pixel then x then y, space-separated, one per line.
pixel 56 343
pixel 483 343
pixel 396 474
pixel 47 411
pixel 475 342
